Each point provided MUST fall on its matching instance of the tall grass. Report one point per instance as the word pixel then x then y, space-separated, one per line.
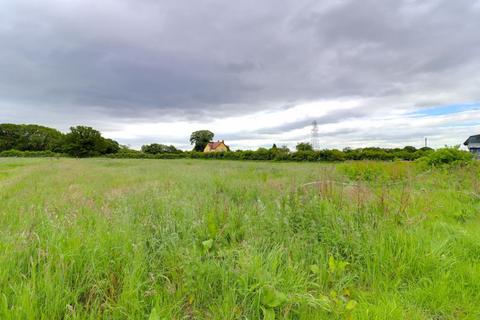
pixel 189 239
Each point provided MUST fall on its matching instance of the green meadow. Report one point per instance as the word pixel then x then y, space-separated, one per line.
pixel 213 239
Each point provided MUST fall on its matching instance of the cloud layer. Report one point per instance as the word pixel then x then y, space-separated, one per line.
pixel 129 65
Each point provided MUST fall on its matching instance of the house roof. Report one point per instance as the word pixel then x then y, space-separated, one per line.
pixel 472 139
pixel 214 145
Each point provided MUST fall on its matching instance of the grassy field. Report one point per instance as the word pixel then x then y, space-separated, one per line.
pixel 193 239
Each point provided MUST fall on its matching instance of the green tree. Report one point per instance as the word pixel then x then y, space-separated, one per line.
pixel 110 146
pixel 156 148
pixel 29 137
pixel 284 149
pixel 84 141
pixel 200 139
pixel 410 149
pixel 304 146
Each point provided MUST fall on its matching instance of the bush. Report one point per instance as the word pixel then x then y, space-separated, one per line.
pixel 304 146
pixel 83 142
pixel 156 148
pixel 280 154
pixel 30 154
pixel 125 153
pixel 447 155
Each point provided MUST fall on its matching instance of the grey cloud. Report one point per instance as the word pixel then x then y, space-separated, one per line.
pixel 329 118
pixel 133 60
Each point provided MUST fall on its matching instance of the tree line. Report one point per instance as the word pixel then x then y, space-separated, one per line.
pixel 285 154
pixel 83 141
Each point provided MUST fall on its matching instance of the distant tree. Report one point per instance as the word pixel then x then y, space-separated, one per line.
pixel 156 148
pixel 172 149
pixel 274 147
pixel 84 141
pixel 110 146
pixel 304 146
pixel 410 149
pixel 284 149
pixel 29 137
pixel 153 148
pixel 200 139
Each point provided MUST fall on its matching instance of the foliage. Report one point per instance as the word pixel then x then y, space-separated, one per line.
pixel 84 141
pixel 283 154
pixel 32 140
pixel 447 155
pixel 127 153
pixel 200 139
pixel 30 154
pixel 278 154
pixel 29 138
pixel 156 148
pixel 304 146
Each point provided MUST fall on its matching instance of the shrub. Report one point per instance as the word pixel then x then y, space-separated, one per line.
pixel 30 154
pixel 126 153
pixel 304 146
pixel 447 155
pixel 156 148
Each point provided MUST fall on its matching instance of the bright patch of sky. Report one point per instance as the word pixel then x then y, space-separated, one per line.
pixel 443 125
pixel 448 109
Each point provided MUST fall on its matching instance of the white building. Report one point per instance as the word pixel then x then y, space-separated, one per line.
pixel 473 144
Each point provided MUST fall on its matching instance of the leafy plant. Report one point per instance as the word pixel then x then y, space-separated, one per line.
pixel 207 245
pixel 446 156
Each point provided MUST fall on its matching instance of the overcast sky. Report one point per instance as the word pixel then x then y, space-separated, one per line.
pixel 384 73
